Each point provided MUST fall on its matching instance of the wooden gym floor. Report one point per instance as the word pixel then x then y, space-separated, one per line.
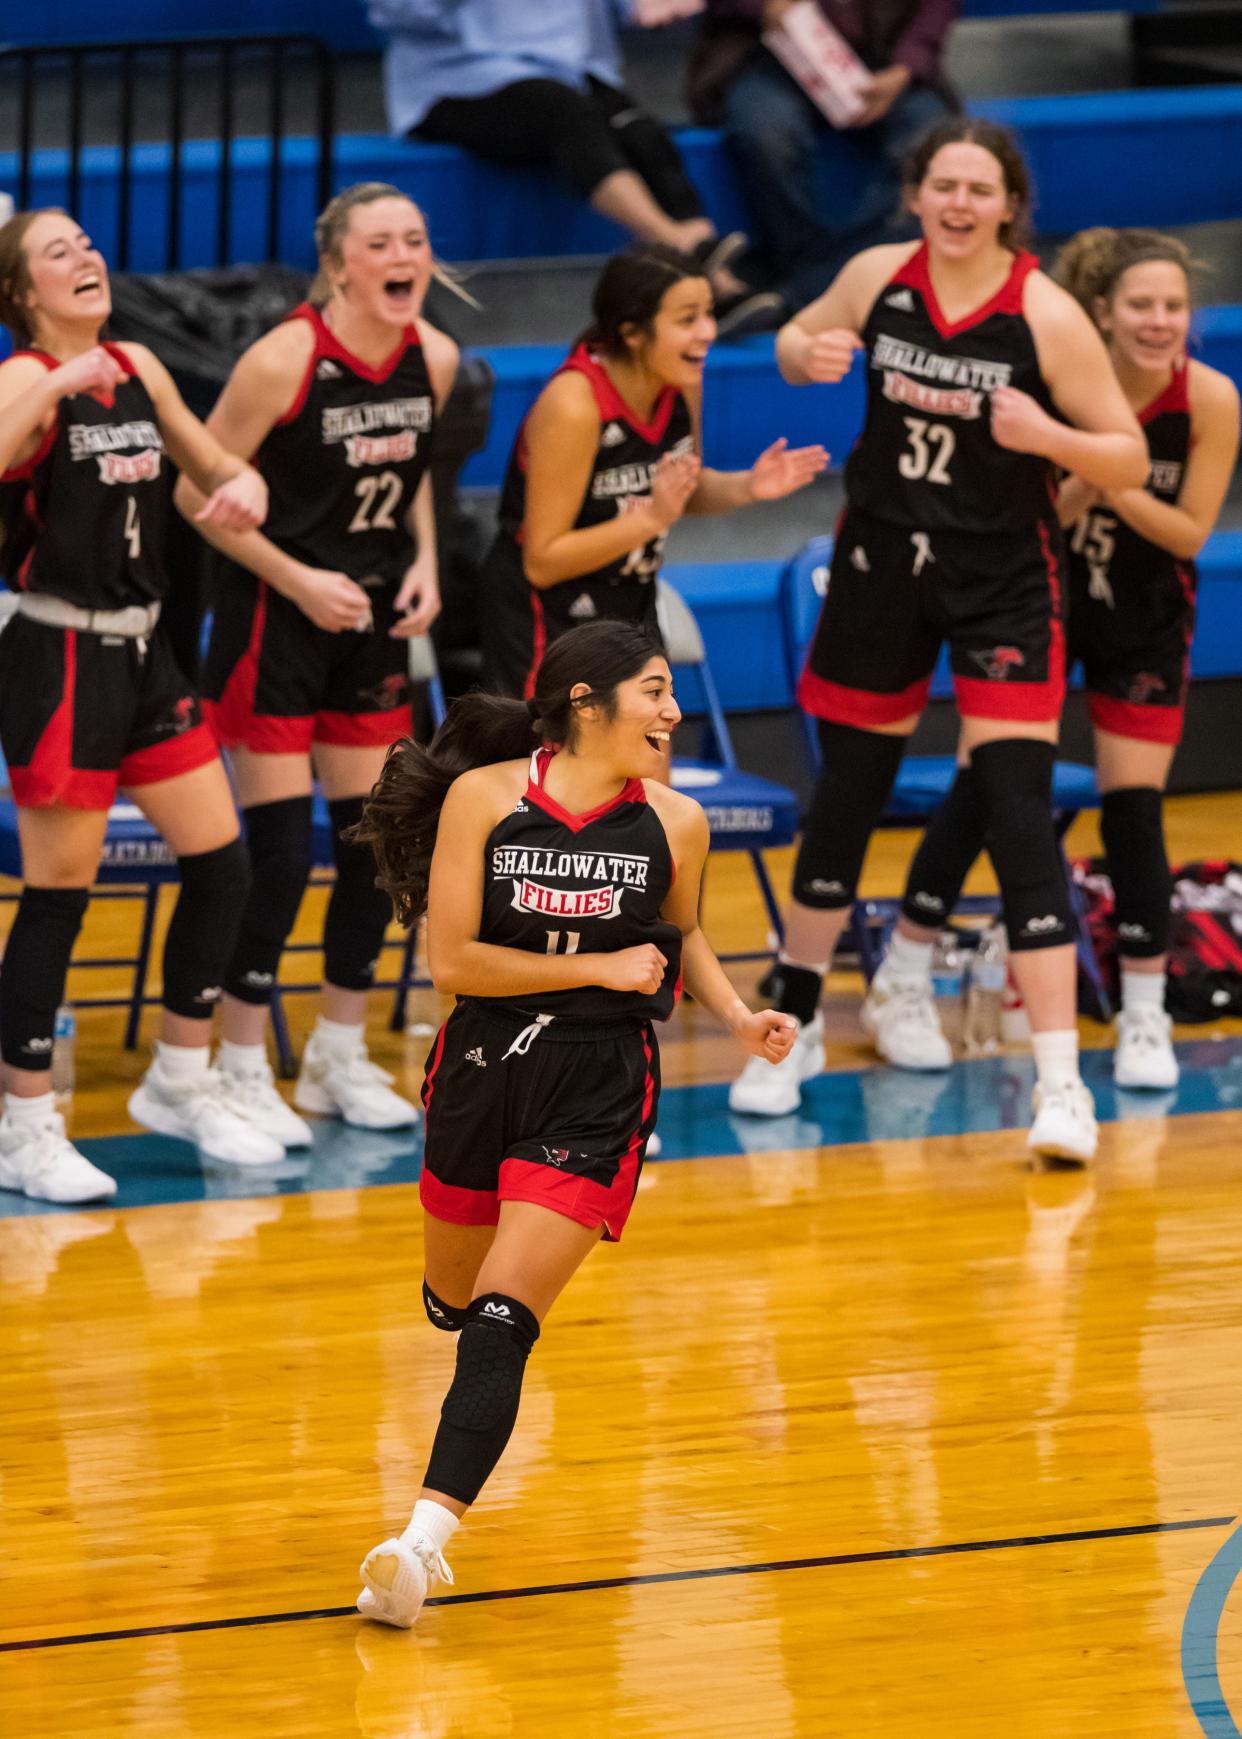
pixel 866 1427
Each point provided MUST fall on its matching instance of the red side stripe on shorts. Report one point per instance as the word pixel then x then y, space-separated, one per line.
pixel 51 765
pixel 429 1080
pixel 539 642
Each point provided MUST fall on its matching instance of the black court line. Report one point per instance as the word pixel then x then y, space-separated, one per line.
pixel 893 1554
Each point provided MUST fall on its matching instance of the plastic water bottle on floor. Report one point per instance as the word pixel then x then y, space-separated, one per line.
pixel 948 975
pixel 986 993
pixel 64 1041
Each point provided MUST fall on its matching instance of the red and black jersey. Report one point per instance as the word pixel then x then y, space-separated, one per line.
pixel 521 620
pixel 1106 556
pixel 345 461
pixel 556 883
pixel 927 457
pixel 84 518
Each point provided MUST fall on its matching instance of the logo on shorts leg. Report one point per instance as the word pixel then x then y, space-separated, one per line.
pixel 183 714
pixel 556 1155
pixel 392 692
pixel 998 661
pixel 476 1057
pixel 1144 686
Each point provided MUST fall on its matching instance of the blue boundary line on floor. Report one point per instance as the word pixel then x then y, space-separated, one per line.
pixel 889 1555
pixel 1200 1641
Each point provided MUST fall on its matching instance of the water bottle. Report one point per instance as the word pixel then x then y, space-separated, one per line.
pixel 948 976
pixel 987 989
pixel 64 1039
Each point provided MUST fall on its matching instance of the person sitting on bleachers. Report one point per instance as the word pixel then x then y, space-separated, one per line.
pixel 786 150
pixel 541 86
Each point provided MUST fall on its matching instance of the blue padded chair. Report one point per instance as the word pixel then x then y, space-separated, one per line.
pixel 744 812
pixel 922 781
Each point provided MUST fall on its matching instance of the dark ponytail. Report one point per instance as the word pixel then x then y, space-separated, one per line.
pixel 629 291
pixel 402 814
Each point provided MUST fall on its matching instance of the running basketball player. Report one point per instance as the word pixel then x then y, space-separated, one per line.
pixel 562 893
pixel 1132 607
pixel 982 375
pixel 307 669
pixel 91 701
pixel 606 463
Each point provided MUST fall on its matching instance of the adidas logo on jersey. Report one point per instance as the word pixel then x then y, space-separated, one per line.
pixel 611 435
pixel 327 370
pixel 521 807
pixel 476 1056
pixel 490 1309
pixel 900 299
pixel 858 559
pixel 583 608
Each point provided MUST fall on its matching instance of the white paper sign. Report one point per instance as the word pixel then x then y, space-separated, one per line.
pixel 816 54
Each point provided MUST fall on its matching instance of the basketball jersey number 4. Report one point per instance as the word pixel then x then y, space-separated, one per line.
pixel 931 448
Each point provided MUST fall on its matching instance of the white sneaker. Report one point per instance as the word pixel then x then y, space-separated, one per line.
pixel 1064 1126
pixel 397 1577
pixel 775 1089
pixel 347 1084
pixel 655 1147
pixel 204 1112
pixel 37 1159
pixel 900 1015
pixel 255 1094
pixel 1144 1056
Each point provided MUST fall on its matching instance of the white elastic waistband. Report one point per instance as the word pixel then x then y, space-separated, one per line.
pixel 134 622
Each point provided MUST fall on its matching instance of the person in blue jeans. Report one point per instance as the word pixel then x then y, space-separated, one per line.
pixel 816 194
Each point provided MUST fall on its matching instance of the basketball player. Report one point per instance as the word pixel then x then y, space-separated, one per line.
pixel 982 375
pixel 91 700
pixel 562 892
pixel 607 461
pixel 1132 605
pixel 306 672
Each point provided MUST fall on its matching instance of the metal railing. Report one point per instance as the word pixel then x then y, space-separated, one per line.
pixel 128 96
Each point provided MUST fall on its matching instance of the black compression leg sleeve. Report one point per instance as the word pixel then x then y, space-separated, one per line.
pixel 202 931
pixel 481 1407
pixel 853 787
pixel 36 964
pixel 1015 786
pixel 449 1317
pixel 358 913
pixel 279 837
pixel 953 840
pixel 1132 828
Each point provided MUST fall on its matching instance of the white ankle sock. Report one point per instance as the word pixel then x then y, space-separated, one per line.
pixel 29 1110
pixel 338 1037
pixel 905 958
pixel 1142 989
pixel 431 1524
pixel 1056 1058
pixel 183 1063
pixel 241 1059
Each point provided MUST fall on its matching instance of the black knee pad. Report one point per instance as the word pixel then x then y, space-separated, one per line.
pixel 1014 777
pixel 358 912
pixel 953 840
pixel 850 795
pixel 202 931
pixel 36 964
pixel 279 837
pixel 1132 828
pixel 449 1317
pixel 481 1407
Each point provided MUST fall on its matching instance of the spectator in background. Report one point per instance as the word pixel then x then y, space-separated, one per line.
pixel 789 155
pixel 540 85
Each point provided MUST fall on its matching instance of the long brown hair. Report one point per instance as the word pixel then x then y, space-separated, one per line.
pixel 1000 143
pixel 1092 263
pixel 15 271
pixel 401 816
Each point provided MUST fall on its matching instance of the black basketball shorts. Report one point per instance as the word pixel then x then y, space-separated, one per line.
pixel 894 595
pixel 1134 642
pixel 563 1123
pixel 83 714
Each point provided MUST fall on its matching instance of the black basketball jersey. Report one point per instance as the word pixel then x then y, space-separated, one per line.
pixel 1104 552
pixel 625 457
pixel 556 883
pixel 926 457
pixel 84 519
pixel 344 463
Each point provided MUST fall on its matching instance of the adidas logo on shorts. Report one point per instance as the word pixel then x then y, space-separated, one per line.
pixel 327 370
pixel 476 1056
pixel 583 608
pixel 900 299
pixel 611 435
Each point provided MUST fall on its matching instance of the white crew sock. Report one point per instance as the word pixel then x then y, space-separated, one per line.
pixel 1142 990
pixel 907 959
pixel 182 1064
pixel 430 1525
pixel 338 1037
pixel 1056 1058
pixel 242 1059
pixel 30 1110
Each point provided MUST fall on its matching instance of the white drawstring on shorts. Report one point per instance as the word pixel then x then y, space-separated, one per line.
pixel 527 1036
